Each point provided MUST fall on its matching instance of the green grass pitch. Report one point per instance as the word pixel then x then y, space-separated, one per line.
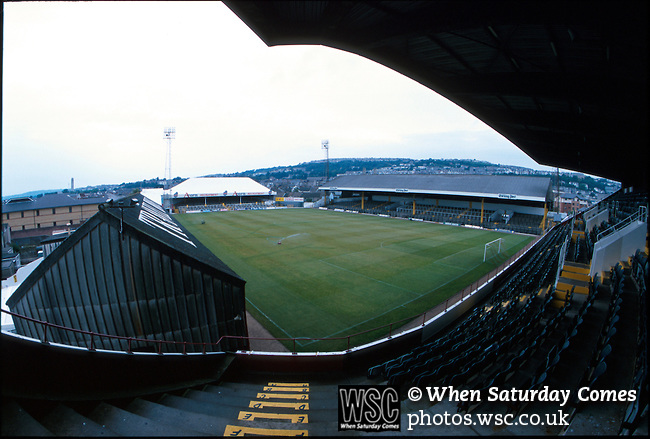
pixel 317 274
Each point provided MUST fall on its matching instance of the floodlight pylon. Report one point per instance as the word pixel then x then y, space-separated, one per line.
pixel 169 135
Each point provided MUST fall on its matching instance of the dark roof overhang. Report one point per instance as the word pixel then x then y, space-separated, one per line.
pixel 563 81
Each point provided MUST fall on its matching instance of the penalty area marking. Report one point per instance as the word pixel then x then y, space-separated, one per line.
pixel 394 308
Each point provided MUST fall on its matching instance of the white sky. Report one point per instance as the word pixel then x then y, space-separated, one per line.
pixel 89 87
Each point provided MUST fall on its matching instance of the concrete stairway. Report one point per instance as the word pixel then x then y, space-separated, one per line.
pixel 258 406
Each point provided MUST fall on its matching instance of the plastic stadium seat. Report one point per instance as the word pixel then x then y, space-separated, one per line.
pixel 469 404
pixel 599 370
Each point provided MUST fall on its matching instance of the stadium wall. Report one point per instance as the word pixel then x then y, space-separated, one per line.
pixel 594 218
pixel 618 247
pixel 50 371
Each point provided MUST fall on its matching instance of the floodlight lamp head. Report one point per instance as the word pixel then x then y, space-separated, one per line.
pixel 325 144
pixel 169 133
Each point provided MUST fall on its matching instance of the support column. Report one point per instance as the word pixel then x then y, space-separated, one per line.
pixel 482 205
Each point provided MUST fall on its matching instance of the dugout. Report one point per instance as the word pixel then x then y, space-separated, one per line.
pixel 132 271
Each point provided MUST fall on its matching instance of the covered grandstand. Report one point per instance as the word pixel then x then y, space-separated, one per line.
pixel 515 203
pixel 133 272
pixel 218 193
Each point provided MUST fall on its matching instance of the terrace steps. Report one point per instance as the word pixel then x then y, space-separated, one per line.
pixel 225 407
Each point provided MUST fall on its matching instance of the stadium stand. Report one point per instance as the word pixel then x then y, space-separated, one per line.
pixel 217 193
pixel 435 362
pixel 222 207
pixel 560 336
pixel 473 200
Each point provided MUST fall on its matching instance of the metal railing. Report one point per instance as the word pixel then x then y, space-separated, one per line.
pixel 640 215
pixel 98 335
pixel 392 328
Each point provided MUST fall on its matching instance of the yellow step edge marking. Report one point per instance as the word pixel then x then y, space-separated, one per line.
pixel 235 430
pixel 560 295
pixel 251 416
pixel 561 286
pixel 575 276
pixel 299 396
pixel 286 389
pixel 286 405
pixel 581 290
pixel 576 269
pixel 288 384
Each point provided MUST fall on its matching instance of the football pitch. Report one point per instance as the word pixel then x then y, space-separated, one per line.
pixel 314 273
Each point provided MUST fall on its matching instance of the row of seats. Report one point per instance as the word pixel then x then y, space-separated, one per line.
pixel 525 220
pixel 522 223
pixel 457 215
pixel 493 329
pixel 220 207
pixel 535 272
pixel 640 270
pixel 637 409
pixel 483 327
pixel 532 353
pixel 555 356
pixel 577 251
pixel 620 206
pixel 592 236
pixel 598 365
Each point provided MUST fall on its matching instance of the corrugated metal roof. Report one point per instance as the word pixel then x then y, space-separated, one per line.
pixel 154 194
pixel 150 219
pixel 146 219
pixel 49 201
pixel 132 270
pixel 219 186
pixel 493 186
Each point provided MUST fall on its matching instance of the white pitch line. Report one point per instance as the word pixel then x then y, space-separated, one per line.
pixel 392 309
pixel 269 319
pixel 367 277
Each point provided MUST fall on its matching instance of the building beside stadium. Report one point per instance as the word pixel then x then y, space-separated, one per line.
pixel 217 193
pixel 511 202
pixel 131 271
pixel 30 219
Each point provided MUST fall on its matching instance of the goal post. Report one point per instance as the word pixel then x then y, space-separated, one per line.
pixel 492 245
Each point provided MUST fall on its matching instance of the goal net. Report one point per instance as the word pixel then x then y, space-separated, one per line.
pixel 492 248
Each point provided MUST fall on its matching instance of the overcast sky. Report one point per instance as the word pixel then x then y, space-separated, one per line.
pixel 88 89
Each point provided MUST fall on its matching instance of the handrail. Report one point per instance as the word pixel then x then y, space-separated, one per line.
pixel 639 215
pixel 458 297
pixel 129 340
pixel 96 334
